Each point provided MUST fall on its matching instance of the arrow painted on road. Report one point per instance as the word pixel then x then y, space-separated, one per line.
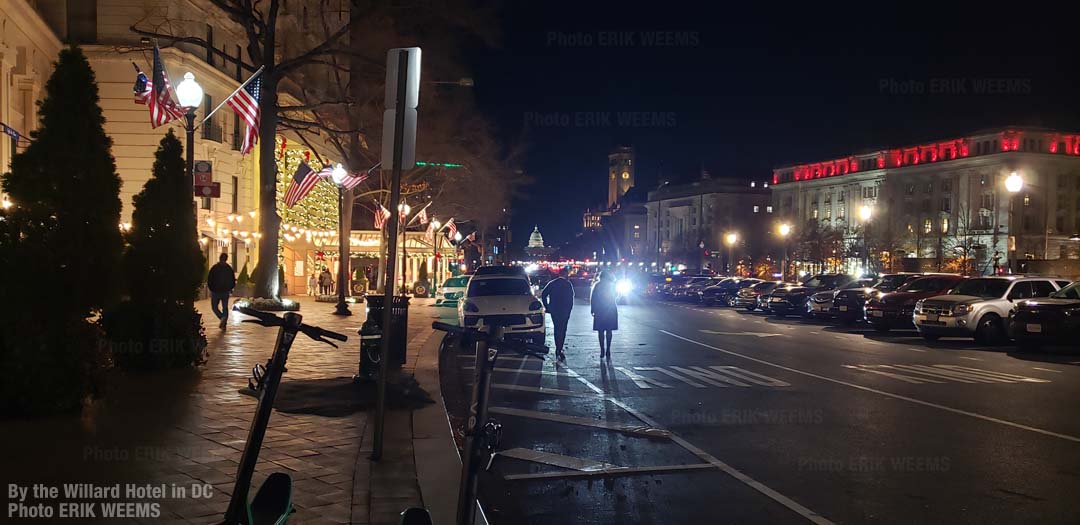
pixel 754 334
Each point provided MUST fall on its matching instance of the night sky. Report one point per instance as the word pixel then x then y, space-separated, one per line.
pixel 741 91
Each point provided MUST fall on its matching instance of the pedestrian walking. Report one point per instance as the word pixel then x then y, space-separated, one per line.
pixel 605 311
pixel 312 285
pixel 558 299
pixel 325 280
pixel 221 280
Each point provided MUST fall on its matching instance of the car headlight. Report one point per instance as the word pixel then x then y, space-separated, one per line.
pixel 470 307
pixel 918 306
pixel 536 305
pixel 624 286
pixel 961 309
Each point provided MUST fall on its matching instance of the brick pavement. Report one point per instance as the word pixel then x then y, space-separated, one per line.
pixel 189 428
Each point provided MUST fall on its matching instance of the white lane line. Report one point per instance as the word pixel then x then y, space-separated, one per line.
pixel 970 358
pixel 1004 422
pixel 638 430
pixel 791 504
pixel 640 380
pixel 660 469
pixel 542 390
pixel 920 350
pixel 902 377
pixel 533 372
pixel 1046 370
pixel 557 460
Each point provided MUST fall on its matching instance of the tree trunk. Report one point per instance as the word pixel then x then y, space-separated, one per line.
pixel 346 229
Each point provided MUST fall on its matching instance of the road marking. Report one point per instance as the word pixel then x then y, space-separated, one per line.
pixel 975 415
pixel 542 390
pixel 708 376
pixel 902 377
pixel 752 377
pixel 920 350
pixel 640 380
pixel 670 374
pixel 613 471
pixel 991 373
pixel 754 334
pixel 1046 370
pixel 970 358
pixel 533 372
pixel 638 430
pixel 556 460
pixel 791 504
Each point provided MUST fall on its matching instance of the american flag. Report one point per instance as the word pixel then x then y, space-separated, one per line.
pixel 422 218
pixel 245 102
pixel 302 183
pixel 353 180
pixel 381 215
pixel 156 94
pixel 471 237
pixel 429 234
pixel 451 228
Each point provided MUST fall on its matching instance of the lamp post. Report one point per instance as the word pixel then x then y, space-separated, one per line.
pixel 190 95
pixel 338 175
pixel 1013 184
pixel 403 213
pixel 436 226
pixel 730 239
pixel 785 231
pixel 865 213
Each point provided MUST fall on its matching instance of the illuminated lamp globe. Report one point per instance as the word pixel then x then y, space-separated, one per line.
pixel 189 92
pixel 1014 182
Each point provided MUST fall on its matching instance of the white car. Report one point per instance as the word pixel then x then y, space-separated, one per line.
pixel 451 291
pixel 980 307
pixel 506 300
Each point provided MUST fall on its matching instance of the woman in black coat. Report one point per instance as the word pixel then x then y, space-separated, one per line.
pixel 605 311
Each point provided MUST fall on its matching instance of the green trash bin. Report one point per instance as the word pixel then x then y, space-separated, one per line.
pixel 399 323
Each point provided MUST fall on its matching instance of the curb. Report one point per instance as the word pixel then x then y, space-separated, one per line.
pixel 438 464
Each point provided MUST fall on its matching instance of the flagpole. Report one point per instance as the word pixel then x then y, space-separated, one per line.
pixel 246 82
pixel 417 214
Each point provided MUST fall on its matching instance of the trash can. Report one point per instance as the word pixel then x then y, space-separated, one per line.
pixel 399 323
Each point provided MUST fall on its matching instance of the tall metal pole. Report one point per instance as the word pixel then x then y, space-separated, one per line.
pixel 190 130
pixel 435 281
pixel 342 307
pixel 404 256
pixel 388 290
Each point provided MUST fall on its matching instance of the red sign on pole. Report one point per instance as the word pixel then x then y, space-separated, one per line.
pixel 212 191
pixel 203 173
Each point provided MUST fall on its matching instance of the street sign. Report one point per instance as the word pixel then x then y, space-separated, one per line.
pixel 412 84
pixel 204 173
pixel 212 191
pixel 408 150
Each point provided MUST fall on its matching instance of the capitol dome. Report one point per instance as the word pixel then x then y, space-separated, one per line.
pixel 536 240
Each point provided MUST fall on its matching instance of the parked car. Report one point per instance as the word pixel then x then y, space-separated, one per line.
pixel 822 305
pixel 724 292
pixel 503 299
pixel 493 269
pixel 1053 320
pixel 451 291
pixel 848 302
pixel 748 297
pixel 894 309
pixel 793 299
pixel 667 288
pixel 979 307
pixel 688 291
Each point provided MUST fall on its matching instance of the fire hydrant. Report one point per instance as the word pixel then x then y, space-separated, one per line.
pixel 370 351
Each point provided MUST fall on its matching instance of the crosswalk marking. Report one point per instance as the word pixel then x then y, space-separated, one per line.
pixel 752 377
pixel 638 430
pixel 700 376
pixel 708 376
pixel 640 380
pixel 668 373
pixel 557 460
pixel 943 373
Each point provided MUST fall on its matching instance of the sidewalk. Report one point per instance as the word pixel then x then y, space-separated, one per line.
pixel 189 429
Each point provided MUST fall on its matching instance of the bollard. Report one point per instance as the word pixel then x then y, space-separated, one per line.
pixel 370 339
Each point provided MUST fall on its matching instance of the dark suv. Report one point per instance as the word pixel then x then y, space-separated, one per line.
pixel 793 299
pixel 848 303
pixel 724 292
pixel 1054 319
pixel 891 310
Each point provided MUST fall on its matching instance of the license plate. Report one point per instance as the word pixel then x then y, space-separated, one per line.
pixel 1035 328
pixel 877 313
pixel 932 317
pixel 776 299
pixel 843 308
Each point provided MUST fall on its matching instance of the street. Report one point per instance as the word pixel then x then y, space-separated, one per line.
pixel 721 415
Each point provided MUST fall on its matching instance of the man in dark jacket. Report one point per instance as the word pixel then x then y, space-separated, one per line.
pixel 221 282
pixel 558 299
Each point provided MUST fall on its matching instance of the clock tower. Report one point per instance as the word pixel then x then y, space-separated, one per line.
pixel 620 174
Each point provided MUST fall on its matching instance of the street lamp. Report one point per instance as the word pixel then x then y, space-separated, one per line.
pixel 436 227
pixel 730 239
pixel 785 231
pixel 338 175
pixel 190 95
pixel 1013 184
pixel 403 213
pixel 865 213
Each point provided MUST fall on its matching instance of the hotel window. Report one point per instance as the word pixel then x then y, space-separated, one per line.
pixel 828 213
pixel 946 185
pixel 910 189
pixel 840 213
pixel 637 235
pixel 987 201
pixel 944 225
pixel 768 209
pixel 814 213
pixel 983 220
pixel 1027 200
pixel 757 209
pixel 929 188
pixel 927 226
pixel 946 204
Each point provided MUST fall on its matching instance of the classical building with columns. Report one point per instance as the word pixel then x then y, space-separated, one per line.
pixel 934 203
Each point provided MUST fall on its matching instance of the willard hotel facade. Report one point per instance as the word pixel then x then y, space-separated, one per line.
pixel 952 188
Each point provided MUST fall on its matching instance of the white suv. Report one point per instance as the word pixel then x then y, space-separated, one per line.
pixel 979 308
pixel 503 299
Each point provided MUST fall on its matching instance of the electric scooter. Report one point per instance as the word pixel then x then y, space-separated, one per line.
pixel 482 434
pixel 273 501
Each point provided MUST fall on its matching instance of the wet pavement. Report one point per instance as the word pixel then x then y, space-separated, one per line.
pixel 777 421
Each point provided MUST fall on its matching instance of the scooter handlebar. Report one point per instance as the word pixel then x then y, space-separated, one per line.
pixel 520 347
pixel 269 319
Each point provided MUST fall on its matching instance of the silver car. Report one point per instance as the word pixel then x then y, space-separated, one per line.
pixel 980 307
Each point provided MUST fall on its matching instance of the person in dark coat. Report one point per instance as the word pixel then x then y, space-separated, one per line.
pixel 558 299
pixel 605 312
pixel 221 280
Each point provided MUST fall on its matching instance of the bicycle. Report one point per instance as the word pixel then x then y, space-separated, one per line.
pixel 482 434
pixel 273 501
